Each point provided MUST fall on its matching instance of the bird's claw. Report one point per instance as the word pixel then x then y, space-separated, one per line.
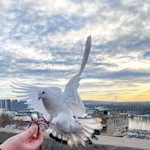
pixel 45 121
pixel 42 123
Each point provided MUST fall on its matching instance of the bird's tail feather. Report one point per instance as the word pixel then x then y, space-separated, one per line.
pixel 82 134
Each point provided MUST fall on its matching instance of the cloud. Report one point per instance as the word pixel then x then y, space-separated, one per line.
pixel 126 74
pixel 146 55
pixel 45 39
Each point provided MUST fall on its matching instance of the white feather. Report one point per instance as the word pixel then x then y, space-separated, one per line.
pixel 61 107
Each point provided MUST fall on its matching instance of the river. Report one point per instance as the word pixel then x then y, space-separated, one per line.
pixel 139 123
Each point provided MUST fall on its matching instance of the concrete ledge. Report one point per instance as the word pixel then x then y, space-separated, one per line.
pixel 103 143
pixel 124 142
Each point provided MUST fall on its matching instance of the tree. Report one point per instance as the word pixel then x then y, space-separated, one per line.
pixel 5 119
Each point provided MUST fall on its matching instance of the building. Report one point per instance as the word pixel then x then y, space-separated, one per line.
pixel 13 104
pixel 5 103
pixel 114 123
pixel 2 111
pixel 18 105
pixel 26 115
pixel 117 125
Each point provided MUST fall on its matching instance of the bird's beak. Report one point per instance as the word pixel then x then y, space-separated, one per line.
pixel 39 98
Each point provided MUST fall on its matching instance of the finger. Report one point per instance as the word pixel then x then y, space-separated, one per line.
pixel 38 141
pixel 40 136
pixel 29 132
pixel 25 129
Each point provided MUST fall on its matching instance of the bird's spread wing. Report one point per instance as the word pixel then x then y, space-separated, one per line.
pixel 70 95
pixel 29 94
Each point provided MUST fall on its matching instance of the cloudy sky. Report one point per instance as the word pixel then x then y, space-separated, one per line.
pixel 42 42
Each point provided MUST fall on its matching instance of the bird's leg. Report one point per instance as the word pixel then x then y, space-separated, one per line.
pixel 45 121
pixel 34 121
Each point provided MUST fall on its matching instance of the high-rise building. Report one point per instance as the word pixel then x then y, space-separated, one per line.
pixel 18 105
pixel 13 104
pixel 5 103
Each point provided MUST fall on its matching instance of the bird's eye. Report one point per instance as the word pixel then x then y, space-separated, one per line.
pixel 43 92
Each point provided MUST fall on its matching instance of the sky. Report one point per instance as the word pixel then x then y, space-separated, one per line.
pixel 42 43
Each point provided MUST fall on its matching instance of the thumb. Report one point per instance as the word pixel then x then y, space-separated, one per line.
pixel 29 132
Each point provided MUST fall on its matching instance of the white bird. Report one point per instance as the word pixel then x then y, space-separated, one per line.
pixel 62 109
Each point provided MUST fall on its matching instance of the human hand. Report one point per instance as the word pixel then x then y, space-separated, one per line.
pixel 23 141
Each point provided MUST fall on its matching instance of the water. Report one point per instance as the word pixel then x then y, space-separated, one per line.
pixel 139 123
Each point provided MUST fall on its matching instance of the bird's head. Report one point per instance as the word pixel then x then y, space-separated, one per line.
pixel 42 94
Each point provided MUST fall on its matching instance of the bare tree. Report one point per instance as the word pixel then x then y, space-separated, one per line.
pixel 5 119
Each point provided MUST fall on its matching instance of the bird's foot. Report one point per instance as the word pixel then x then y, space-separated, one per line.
pixel 48 123
pixel 34 121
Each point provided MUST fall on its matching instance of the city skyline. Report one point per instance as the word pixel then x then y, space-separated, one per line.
pixel 42 42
